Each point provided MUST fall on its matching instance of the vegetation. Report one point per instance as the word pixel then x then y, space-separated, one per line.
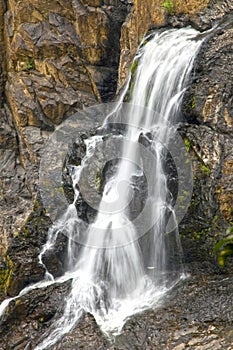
pixel 224 248
pixel 187 143
pixel 134 66
pixel 6 270
pixel 193 102
pixel 168 5
pixel 205 170
pixel 29 63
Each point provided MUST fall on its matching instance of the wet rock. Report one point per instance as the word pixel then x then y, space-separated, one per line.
pixel 50 67
pixel 24 248
pixel 30 316
pixel 55 66
pixel 197 313
pixel 54 259
pixel 208 136
pixel 145 15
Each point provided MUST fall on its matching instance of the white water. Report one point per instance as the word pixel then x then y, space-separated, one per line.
pixel 118 273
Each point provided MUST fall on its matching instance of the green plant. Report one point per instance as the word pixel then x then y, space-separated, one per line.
pixel 29 63
pixel 187 143
pixel 224 248
pixel 205 170
pixel 168 6
pixel 193 102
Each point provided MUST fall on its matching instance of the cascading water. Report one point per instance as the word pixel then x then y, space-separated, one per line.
pixel 118 271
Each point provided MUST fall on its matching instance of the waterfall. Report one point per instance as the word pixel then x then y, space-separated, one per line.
pixel 126 264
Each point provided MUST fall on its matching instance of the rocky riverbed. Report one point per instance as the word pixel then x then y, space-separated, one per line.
pixel 196 314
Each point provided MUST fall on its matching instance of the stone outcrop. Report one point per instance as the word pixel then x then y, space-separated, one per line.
pixel 55 58
pixel 198 314
pixel 146 15
pixel 208 136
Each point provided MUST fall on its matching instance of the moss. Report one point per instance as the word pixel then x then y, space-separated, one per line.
pixel 168 5
pixel 98 180
pixel 134 67
pixel 193 102
pixel 205 170
pixel 6 270
pixel 215 221
pixel 25 231
pixel 181 198
pixel 29 63
pixel 37 221
pixel 18 301
pixel 187 143
pixel 131 89
pixel 16 233
pixel 198 235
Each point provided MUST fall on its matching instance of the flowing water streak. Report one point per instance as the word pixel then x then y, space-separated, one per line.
pixel 113 284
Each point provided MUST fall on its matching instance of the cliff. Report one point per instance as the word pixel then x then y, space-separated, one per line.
pixel 57 57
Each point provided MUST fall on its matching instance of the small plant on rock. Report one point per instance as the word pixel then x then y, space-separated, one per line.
pixel 224 248
pixel 169 6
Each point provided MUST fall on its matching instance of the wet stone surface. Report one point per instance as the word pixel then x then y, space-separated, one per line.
pixel 198 314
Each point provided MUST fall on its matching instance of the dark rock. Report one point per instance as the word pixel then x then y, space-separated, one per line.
pixel 54 259
pixel 208 136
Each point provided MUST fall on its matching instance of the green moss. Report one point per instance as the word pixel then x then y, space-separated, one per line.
pixel 16 233
pixel 187 143
pixel 168 5
pixel 131 88
pixel 6 270
pixel 193 102
pixel 197 235
pixel 25 231
pixel 134 66
pixel 205 170
pixel 215 221
pixel 29 63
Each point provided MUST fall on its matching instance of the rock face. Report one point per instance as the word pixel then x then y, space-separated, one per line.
pixel 208 135
pixel 59 56
pixel 146 15
pixel 55 57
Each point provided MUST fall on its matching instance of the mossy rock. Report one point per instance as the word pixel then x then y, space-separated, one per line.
pixel 6 269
